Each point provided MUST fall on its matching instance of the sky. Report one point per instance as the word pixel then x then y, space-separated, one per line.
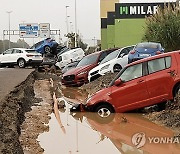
pixel 54 12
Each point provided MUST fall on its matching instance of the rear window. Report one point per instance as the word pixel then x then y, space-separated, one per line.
pixel 148 45
pixel 168 62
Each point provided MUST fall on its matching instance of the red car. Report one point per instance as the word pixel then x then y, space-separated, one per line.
pixel 142 83
pixel 79 75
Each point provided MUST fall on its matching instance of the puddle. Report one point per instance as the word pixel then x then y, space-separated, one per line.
pixel 87 133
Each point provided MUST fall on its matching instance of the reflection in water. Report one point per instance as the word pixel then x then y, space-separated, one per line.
pixel 87 133
pixel 74 95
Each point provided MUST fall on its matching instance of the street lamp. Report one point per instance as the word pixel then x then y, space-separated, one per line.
pixel 67 23
pixel 67 19
pixel 94 39
pixel 71 26
pixel 23 21
pixel 9 12
pixel 75 25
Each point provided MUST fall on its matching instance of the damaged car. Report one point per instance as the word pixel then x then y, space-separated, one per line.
pixel 146 82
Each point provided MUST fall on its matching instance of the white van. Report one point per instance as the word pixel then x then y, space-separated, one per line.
pixel 69 56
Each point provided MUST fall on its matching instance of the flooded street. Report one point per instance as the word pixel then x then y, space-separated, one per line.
pixel 87 133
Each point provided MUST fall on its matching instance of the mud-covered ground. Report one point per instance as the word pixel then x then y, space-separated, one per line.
pixel 25 112
pixel 21 111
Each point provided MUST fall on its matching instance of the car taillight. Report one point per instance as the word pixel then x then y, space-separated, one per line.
pixel 132 52
pixel 158 52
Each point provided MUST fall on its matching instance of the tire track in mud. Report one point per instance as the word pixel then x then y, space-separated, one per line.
pixel 37 119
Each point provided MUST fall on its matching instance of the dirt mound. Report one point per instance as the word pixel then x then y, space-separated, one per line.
pixel 12 113
pixel 169 117
pixel 12 110
pixel 99 83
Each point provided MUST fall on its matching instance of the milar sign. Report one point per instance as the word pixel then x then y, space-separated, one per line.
pixel 137 10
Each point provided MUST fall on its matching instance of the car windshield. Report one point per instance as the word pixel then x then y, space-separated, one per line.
pixel 147 45
pixel 110 56
pixel 30 51
pixel 91 59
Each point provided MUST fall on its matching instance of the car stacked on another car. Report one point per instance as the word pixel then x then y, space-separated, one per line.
pixel 79 75
pixel 114 62
pixel 21 57
pixel 144 50
pixel 46 46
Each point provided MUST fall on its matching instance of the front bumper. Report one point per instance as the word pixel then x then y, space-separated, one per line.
pixel 76 82
pixel 81 108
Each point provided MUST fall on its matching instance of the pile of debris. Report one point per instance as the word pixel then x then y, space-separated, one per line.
pixel 99 83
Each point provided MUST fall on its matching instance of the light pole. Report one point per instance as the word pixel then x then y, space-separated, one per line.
pixel 9 12
pixel 23 37
pixel 71 26
pixel 94 39
pixel 67 23
pixel 75 25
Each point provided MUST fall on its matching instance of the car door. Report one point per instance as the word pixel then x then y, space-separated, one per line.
pixel 132 93
pixel 6 56
pixel 161 78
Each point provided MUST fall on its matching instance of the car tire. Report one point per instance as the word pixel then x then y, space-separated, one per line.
pixel 47 49
pixel 177 94
pixel 104 113
pixel 21 63
pixel 117 68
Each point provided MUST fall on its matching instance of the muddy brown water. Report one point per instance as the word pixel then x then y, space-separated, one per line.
pixel 87 133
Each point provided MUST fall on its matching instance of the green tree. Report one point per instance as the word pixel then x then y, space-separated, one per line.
pixel 164 27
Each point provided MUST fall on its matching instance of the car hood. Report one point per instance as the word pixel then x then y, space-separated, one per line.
pixel 77 70
pixel 102 65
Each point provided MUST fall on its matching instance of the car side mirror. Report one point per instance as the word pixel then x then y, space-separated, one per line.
pixel 117 82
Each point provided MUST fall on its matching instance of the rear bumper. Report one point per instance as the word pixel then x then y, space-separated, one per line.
pixel 34 62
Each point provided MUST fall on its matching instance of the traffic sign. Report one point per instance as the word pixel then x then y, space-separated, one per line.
pixel 30 30
pixel 44 30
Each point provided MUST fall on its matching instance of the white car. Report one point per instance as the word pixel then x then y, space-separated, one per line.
pixel 69 57
pixel 114 62
pixel 21 57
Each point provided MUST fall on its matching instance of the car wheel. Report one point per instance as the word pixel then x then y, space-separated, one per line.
pixel 104 113
pixel 177 94
pixel 21 63
pixel 117 68
pixel 47 49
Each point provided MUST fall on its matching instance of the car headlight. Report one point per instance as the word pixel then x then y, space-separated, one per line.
pixel 88 99
pixel 105 67
pixel 82 73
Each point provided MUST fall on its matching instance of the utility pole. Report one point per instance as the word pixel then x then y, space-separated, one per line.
pixel 67 25
pixel 9 12
pixel 94 39
pixel 75 25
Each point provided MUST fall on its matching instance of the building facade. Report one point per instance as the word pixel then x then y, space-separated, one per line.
pixel 123 24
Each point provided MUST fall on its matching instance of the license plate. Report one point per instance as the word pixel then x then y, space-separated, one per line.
pixel 144 55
